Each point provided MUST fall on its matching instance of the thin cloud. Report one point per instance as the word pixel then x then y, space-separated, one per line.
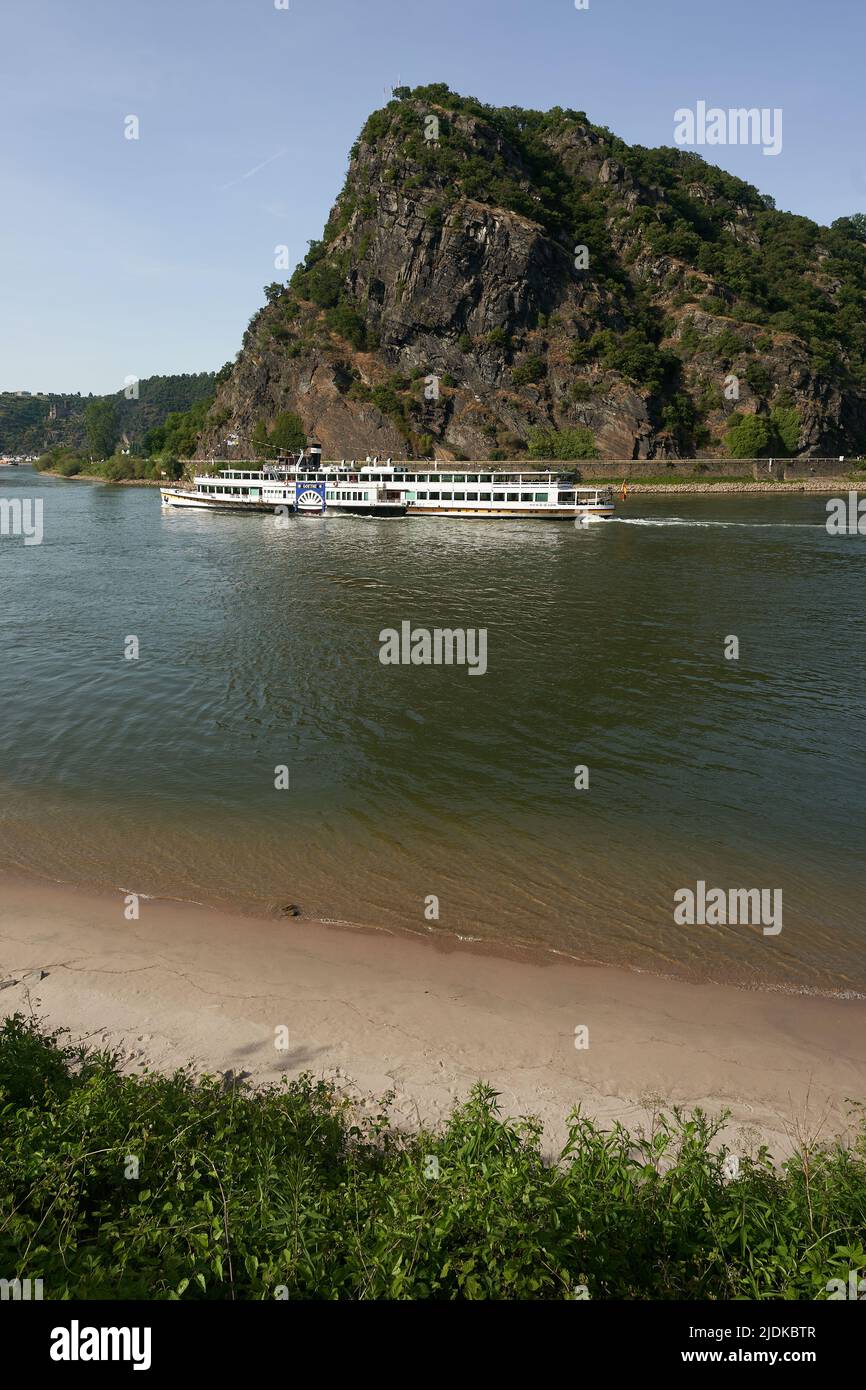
pixel 248 175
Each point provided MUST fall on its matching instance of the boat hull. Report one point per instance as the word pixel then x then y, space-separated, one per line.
pixel 500 513
pixel 176 498
pixel 184 498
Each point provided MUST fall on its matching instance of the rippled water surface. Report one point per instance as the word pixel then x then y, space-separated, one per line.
pixel 259 647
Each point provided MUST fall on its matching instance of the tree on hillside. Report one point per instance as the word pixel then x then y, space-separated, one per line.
pixel 755 436
pixel 576 442
pixel 856 223
pixel 261 443
pixel 103 431
pixel 287 433
pixel 750 437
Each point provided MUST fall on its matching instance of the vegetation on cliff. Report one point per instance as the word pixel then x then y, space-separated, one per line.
pixel 33 424
pixel 146 1186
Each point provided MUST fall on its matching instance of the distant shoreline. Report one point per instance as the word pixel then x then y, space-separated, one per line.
pixel 687 486
pixel 95 478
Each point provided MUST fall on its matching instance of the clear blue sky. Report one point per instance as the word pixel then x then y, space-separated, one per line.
pixel 125 257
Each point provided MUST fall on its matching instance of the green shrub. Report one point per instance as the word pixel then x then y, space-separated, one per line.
pixel 756 436
pixel 758 377
pixel 387 400
pixel 498 337
pixel 286 435
pixel 344 320
pixel 787 423
pixel 575 443
pixel 750 437
pixel 728 345
pixel 287 1192
pixel 69 466
pixel 532 369
pixel 680 418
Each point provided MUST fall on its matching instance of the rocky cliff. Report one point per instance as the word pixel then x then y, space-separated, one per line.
pixel 494 282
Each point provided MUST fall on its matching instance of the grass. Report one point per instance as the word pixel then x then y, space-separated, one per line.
pixel 177 1187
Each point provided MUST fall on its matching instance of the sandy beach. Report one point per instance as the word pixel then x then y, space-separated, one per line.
pixel 424 1019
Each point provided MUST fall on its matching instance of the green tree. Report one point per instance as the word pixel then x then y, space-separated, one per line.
pixel 750 437
pixel 287 432
pixel 856 223
pixel 787 424
pixel 154 441
pixel 260 441
pixel 575 443
pixel 680 417
pixel 100 422
pixel 182 429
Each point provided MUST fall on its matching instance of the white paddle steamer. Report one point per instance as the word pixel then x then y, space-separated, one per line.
pixel 307 486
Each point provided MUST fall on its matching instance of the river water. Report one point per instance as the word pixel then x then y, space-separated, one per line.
pixel 259 647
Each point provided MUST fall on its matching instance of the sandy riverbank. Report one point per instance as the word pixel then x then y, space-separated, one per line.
pixel 186 984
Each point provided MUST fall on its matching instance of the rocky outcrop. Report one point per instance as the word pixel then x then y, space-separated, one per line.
pixel 486 277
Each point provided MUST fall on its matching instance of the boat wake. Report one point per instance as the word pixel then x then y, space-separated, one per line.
pixel 746 525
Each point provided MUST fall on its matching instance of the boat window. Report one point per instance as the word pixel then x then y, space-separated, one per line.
pixel 486 478
pixel 541 497
pixel 446 477
pixel 434 496
pixel 446 496
pixel 566 499
pixel 499 496
pixel 512 496
pixel 526 496
pixel 460 497
pixel 472 497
